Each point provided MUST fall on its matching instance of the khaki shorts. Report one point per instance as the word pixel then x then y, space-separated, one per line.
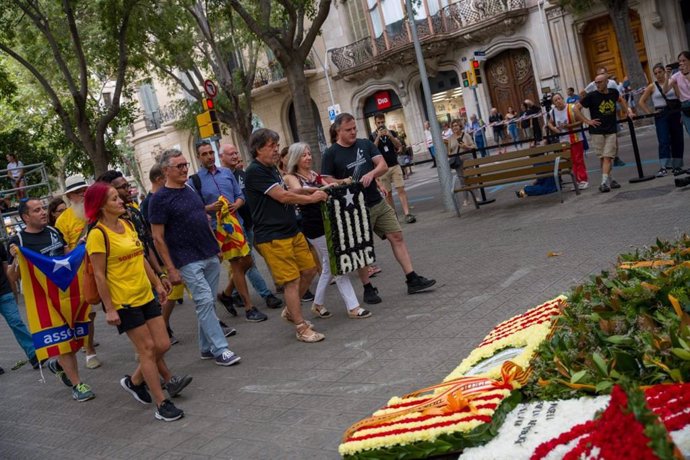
pixel 605 145
pixel 394 175
pixel 383 219
pixel 286 258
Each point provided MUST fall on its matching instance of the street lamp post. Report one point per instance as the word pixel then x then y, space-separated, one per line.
pixel 441 155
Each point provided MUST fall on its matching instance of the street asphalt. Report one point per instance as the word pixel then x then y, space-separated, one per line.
pixel 290 400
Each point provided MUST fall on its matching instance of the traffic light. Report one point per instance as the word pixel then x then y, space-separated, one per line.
pixel 207 121
pixel 476 73
pixel 208 103
pixel 465 80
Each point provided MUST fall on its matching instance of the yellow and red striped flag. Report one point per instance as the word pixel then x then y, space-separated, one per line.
pixel 57 314
pixel 229 233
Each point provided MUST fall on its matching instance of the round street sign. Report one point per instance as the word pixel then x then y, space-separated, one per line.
pixel 210 88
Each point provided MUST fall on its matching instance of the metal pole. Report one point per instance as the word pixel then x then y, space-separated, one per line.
pixel 325 72
pixel 443 167
pixel 476 102
pixel 636 150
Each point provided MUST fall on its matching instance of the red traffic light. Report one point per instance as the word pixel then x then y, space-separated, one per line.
pixel 210 104
pixel 475 64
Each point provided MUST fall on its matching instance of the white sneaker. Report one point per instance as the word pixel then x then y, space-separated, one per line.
pixel 583 185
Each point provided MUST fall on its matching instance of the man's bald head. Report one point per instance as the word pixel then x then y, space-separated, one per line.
pixel 229 156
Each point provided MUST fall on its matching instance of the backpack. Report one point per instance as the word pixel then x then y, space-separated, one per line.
pixel 196 180
pixel 89 288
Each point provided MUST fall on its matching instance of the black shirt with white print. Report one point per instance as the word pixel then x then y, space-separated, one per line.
pixel 354 161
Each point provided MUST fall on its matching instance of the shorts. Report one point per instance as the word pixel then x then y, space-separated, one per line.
pixel 394 175
pixel 605 145
pixel 177 292
pixel 287 258
pixel 383 219
pixel 133 317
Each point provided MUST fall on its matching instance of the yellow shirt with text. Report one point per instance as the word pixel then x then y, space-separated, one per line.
pixel 71 227
pixel 126 274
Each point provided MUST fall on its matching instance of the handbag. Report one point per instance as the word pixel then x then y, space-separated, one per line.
pixel 672 104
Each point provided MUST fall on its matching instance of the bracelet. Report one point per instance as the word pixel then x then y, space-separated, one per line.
pixel 162 275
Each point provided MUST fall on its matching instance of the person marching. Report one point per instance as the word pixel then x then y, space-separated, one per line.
pixel 301 178
pixel 124 279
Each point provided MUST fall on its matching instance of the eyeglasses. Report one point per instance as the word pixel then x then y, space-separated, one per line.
pixel 181 166
pixel 124 186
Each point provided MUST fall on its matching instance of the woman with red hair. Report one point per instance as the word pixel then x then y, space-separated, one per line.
pixel 124 279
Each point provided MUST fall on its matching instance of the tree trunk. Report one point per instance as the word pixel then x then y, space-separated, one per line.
pixel 619 11
pixel 304 112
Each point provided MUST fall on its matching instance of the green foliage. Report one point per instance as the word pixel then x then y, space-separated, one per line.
pixel 619 327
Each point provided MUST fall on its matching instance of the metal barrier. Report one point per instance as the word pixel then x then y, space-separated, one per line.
pixel 36 177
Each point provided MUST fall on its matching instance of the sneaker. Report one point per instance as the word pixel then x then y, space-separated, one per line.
pixel 371 296
pixel 662 172
pixel 227 303
pixel 207 355
pixel 604 188
pixel 273 301
pixel 92 362
pixel 138 391
pixel 237 300
pixel 410 219
pixel 255 316
pixel 358 313
pixel 583 185
pixel 618 162
pixel 227 330
pixel 614 184
pixel 54 366
pixel 678 171
pixel 168 412
pixel 308 296
pixel 82 392
pixel 228 358
pixel 34 362
pixel 180 301
pixel 176 384
pixel 419 284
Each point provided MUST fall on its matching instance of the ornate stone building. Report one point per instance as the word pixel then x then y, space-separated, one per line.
pixel 364 62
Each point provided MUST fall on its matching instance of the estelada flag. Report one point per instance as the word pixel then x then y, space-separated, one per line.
pixel 57 314
pixel 229 233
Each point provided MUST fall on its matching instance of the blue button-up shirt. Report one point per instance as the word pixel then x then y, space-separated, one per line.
pixel 221 182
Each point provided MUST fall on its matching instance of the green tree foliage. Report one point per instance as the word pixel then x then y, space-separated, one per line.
pixel 75 50
pixel 194 40
pixel 289 28
pixel 619 12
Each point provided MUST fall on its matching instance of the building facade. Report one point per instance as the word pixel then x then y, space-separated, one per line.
pixel 364 62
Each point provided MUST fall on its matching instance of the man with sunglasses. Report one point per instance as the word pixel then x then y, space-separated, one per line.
pixel 189 251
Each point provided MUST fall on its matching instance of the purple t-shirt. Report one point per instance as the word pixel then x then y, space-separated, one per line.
pixel 187 231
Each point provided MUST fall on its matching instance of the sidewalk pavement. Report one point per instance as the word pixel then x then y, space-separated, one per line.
pixel 290 400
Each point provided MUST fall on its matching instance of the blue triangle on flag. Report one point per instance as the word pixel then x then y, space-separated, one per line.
pixel 61 270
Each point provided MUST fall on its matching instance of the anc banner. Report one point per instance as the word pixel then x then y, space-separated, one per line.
pixel 229 233
pixel 57 314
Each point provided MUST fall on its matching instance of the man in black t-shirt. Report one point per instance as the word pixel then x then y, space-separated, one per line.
pixel 362 161
pixel 276 235
pixel 44 239
pixel 602 126
pixel 389 145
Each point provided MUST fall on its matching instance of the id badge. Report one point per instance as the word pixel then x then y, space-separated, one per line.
pixel 385 148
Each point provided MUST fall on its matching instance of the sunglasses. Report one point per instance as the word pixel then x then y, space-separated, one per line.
pixel 181 166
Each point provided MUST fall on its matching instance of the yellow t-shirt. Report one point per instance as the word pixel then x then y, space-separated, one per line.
pixel 126 274
pixel 71 227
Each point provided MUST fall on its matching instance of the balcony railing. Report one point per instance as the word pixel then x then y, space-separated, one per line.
pixel 274 72
pixel 454 18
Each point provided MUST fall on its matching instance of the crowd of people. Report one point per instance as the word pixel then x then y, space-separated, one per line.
pixel 144 257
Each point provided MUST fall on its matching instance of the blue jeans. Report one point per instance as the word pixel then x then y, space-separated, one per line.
pixel 479 141
pixel 669 134
pixel 201 278
pixel 253 274
pixel 10 310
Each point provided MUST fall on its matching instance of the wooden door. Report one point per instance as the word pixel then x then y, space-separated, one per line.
pixel 510 78
pixel 601 47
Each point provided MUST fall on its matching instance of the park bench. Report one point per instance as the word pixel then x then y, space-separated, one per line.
pixel 522 165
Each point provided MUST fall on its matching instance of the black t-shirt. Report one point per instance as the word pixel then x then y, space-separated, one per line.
pixel 602 107
pixel 496 118
pixel 272 219
pixel 244 211
pixel 5 287
pixel 354 161
pixel 387 148
pixel 312 219
pixel 48 242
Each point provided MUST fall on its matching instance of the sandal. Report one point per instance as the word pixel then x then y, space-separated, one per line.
pixel 285 314
pixel 320 311
pixel 358 313
pixel 305 333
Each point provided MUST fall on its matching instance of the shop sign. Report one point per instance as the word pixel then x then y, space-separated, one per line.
pixel 383 100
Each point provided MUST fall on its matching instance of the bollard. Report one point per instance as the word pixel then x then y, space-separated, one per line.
pixel 636 150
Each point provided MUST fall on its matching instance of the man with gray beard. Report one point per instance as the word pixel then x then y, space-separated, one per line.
pixel 72 225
